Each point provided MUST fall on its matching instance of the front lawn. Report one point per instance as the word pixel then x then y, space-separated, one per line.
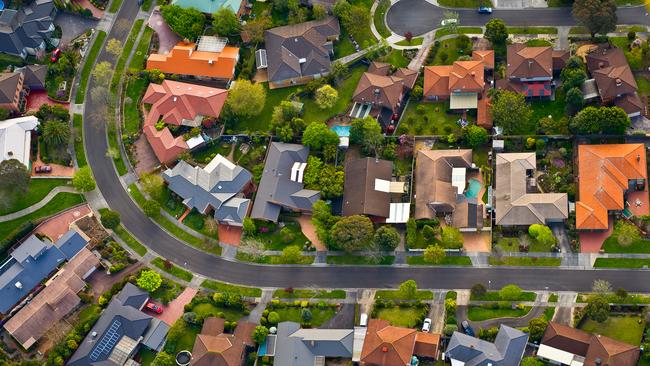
pixel 494 296
pixel 360 260
pixel 172 269
pixel 275 237
pixel 364 36
pixel 408 317
pixel 398 295
pixel 380 14
pixel 614 299
pixel 115 6
pixel 621 263
pixel 532 30
pixel 628 328
pixel 131 241
pixel 480 313
pixel 37 190
pixel 309 294
pixel 233 289
pixel 525 261
pixel 271 259
pixel 433 121
pixel 395 58
pixel 414 42
pixel 464 3
pixel 89 64
pixel 449 48
pixel 294 314
pixel 459 30
pixel 208 309
pixel 168 291
pixel 538 43
pixel 611 245
pixel 454 260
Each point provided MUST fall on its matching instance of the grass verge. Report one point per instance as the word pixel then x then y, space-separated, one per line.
pixel 80 152
pixel 132 242
pixel 272 259
pixel 88 66
pixel 36 191
pixel 525 261
pixel 233 289
pixel 621 263
pixel 360 260
pixel 414 42
pixel 532 30
pixel 172 269
pixel 447 261
pixel 494 296
pixel 398 295
pixel 380 14
pixel 115 6
pixel 460 30
pixel 309 294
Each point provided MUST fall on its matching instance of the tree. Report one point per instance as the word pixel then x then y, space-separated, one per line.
pixel 387 237
pixel 114 47
pixel 367 132
pixel 151 208
pixel 417 92
pixel 249 226
pixel 451 238
pixel 4 114
pixel 434 254
pixel 252 247
pixel 259 334
pixel 149 280
pixel 553 126
pixel 326 96
pixel 597 308
pixel 352 233
pixel 601 287
pixel 341 9
pixel 621 293
pixel 574 100
pixel 109 218
pixel 607 120
pixel 323 177
pixel 496 31
pixel 153 185
pixel 598 16
pixel 408 36
pixel 56 133
pixel 225 22
pixel 511 112
pixel 409 289
pixel 246 99
pixel 542 234
pixel 626 233
pixel 478 290
pixel 102 73
pixel 273 318
pixel 531 361
pixel 510 292
pixel 14 177
pixel 186 22
pixel 357 19
pixel 317 135
pixel 536 328
pixel 291 254
pixel 255 28
pixel 164 359
pixel 476 136
pixel 83 180
pixel 318 11
pixel 572 77
pixel 306 315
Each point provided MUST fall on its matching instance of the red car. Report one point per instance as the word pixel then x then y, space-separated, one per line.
pixel 43 169
pixel 153 307
pixel 55 55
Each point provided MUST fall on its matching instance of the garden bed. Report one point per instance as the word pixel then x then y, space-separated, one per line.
pixel 360 260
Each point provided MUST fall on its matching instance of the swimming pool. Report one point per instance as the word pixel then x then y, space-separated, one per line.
pixel 2 5
pixel 474 187
pixel 341 131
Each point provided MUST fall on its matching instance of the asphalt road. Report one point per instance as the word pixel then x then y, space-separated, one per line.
pixel 419 16
pixel 306 276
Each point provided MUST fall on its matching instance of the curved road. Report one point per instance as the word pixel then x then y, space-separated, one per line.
pixel 419 16
pixel 304 276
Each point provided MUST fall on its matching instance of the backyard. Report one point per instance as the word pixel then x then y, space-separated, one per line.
pixel 625 328
pixel 431 119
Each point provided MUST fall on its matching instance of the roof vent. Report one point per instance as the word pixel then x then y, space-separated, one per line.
pixel 384 349
pixel 219 186
pixel 19 285
pixel 175 99
pixel 93 334
pixel 638 157
pixel 377 91
pixel 601 65
pixel 598 362
pixel 210 62
pixel 530 63
pixel 302 60
pixel 10 153
pixel 619 82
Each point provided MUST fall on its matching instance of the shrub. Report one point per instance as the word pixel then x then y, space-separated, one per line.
pixel 478 290
pixel 273 318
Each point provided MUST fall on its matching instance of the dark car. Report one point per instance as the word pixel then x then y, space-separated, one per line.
pixel 485 10
pixel 153 307
pixel 43 169
pixel 467 328
pixel 55 54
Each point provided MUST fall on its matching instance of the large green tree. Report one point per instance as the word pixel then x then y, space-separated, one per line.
pixel 597 308
pixel 542 234
pixel 186 22
pixel 510 292
pixel 246 99
pixel 496 31
pixel 387 237
pixel 225 22
pixel 511 112
pixel 536 328
pixel 598 16
pixel 326 96
pixel 408 289
pixel 83 180
pixel 434 254
pixel 317 135
pixel 352 233
pixel 605 120
pixel 367 132
pixel 164 359
pixel 109 218
pixel 14 176
pixel 149 280
pixel 476 136
pixel 451 238
pixel 291 254
pixel 56 133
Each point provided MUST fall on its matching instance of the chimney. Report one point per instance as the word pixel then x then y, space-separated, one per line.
pixel 619 82
pixel 377 92
pixel 530 64
pixel 601 65
pixel 384 349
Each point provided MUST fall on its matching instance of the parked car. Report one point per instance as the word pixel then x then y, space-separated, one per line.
pixel 485 10
pixel 446 22
pixel 55 55
pixel 43 169
pixel 153 307
pixel 426 327
pixel 467 328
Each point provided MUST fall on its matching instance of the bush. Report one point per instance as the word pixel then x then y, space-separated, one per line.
pixel 273 318
pixel 450 329
pixel 110 219
pixel 478 290
pixel 510 292
pixel 149 280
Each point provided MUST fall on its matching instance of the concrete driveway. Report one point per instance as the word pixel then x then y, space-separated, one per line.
pixel 344 319
pixel 73 26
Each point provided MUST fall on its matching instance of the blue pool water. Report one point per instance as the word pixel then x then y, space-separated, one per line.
pixel 474 187
pixel 341 131
pixel 2 5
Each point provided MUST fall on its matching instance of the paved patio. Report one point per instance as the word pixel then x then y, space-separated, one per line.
pixel 58 225
pixel 37 98
pixel 59 171
pixel 175 309
pixel 592 241
pixel 145 158
pixel 166 37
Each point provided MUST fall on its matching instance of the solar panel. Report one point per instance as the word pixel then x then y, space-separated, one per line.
pixel 108 341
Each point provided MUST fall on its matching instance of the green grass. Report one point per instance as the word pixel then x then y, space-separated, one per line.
pixel 126 51
pixel 532 30
pixel 179 233
pixel 611 245
pixel 115 6
pixel 364 35
pixel 401 317
pixel 59 203
pixel 7 60
pixel 309 294
pixel 644 85
pixel 168 291
pixel 448 46
pixel 142 50
pixel 397 295
pixel 549 312
pixel 538 43
pixel 631 28
pixel 88 66
pixel 460 30
pixel 623 328
pixel 209 309
pixel 447 261
pixel 451 295
pixel 273 240
pixel 512 245
pixel 464 3
pixel 621 263
pixel 181 337
pixel 88 312
pixel 414 42
pixel 271 259
pixel 343 46
pixel 80 152
pixel 552 298
pixel 319 316
pixel 494 296
pixel 544 108
pixel 360 260
pixel 479 313
pixel 37 190
pixel 146 5
pixel 380 14
pixel 146 356
pixel 434 120
pixel 174 270
pixel 578 29
pixel 136 86
pixel 395 58
pixel 525 261
pixel 131 241
pixel 225 287
pixel 613 299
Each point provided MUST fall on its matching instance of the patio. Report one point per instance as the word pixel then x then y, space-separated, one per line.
pixel 58 225
pixel 37 98
pixel 591 242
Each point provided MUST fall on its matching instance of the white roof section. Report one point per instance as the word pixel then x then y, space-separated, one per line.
pixel 463 101
pixel 458 179
pixel 387 186
pixel 195 141
pixel 260 59
pixel 399 213
pixel 558 355
pixel 357 343
pixel 15 138
pixel 211 44
pixel 216 161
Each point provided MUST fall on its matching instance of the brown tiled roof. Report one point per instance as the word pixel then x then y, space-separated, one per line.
pixel 560 58
pixel 609 67
pixel 487 56
pixel 360 196
pixel 379 68
pixel 426 344
pixel 378 90
pixel 409 76
pixel 630 103
pixel 436 80
pixel 215 348
pixel 483 117
pixel 386 345
pixel 10 84
pixel 566 338
pixel 467 76
pixel 529 62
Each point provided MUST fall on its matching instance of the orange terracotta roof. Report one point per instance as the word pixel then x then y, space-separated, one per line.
pixel 604 172
pixel 386 345
pixel 483 118
pixel 462 76
pixel 487 56
pixel 426 344
pixel 185 60
pixel 467 76
pixel 436 80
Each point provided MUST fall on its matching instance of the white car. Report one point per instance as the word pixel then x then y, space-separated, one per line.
pixel 426 327
pixel 446 22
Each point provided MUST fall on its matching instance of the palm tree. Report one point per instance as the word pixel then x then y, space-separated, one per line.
pixel 56 133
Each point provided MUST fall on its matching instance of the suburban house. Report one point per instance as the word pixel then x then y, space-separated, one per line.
pixel 178 104
pixel 55 301
pixel 293 346
pixel 563 345
pixel 441 188
pixel 611 178
pixel 368 189
pixel 298 53
pixel 530 70
pixel 507 350
pixel 214 347
pixel 386 345
pixel 34 76
pixel 120 331
pixel 518 201
pixel 32 262
pixel 211 6
pixel 613 80
pixel 281 185
pixel 209 58
pixel 16 138
pixel 12 91
pixel 381 95
pixel 464 84
pixel 25 31
pixel 217 188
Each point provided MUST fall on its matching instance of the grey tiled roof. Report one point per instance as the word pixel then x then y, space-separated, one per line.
pixel 507 349
pixel 27 27
pixel 297 347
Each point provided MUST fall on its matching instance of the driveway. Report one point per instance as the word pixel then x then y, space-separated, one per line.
pixel 73 26
pixel 175 309
pixel 167 39
pixel 344 319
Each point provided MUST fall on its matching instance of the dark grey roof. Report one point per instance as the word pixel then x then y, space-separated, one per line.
pixel 32 262
pixel 300 49
pixel 118 320
pixel 276 189
pixel 507 349
pixel 155 337
pixel 297 347
pixel 9 82
pixel 34 76
pixel 217 186
pixel 133 296
pixel 27 27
